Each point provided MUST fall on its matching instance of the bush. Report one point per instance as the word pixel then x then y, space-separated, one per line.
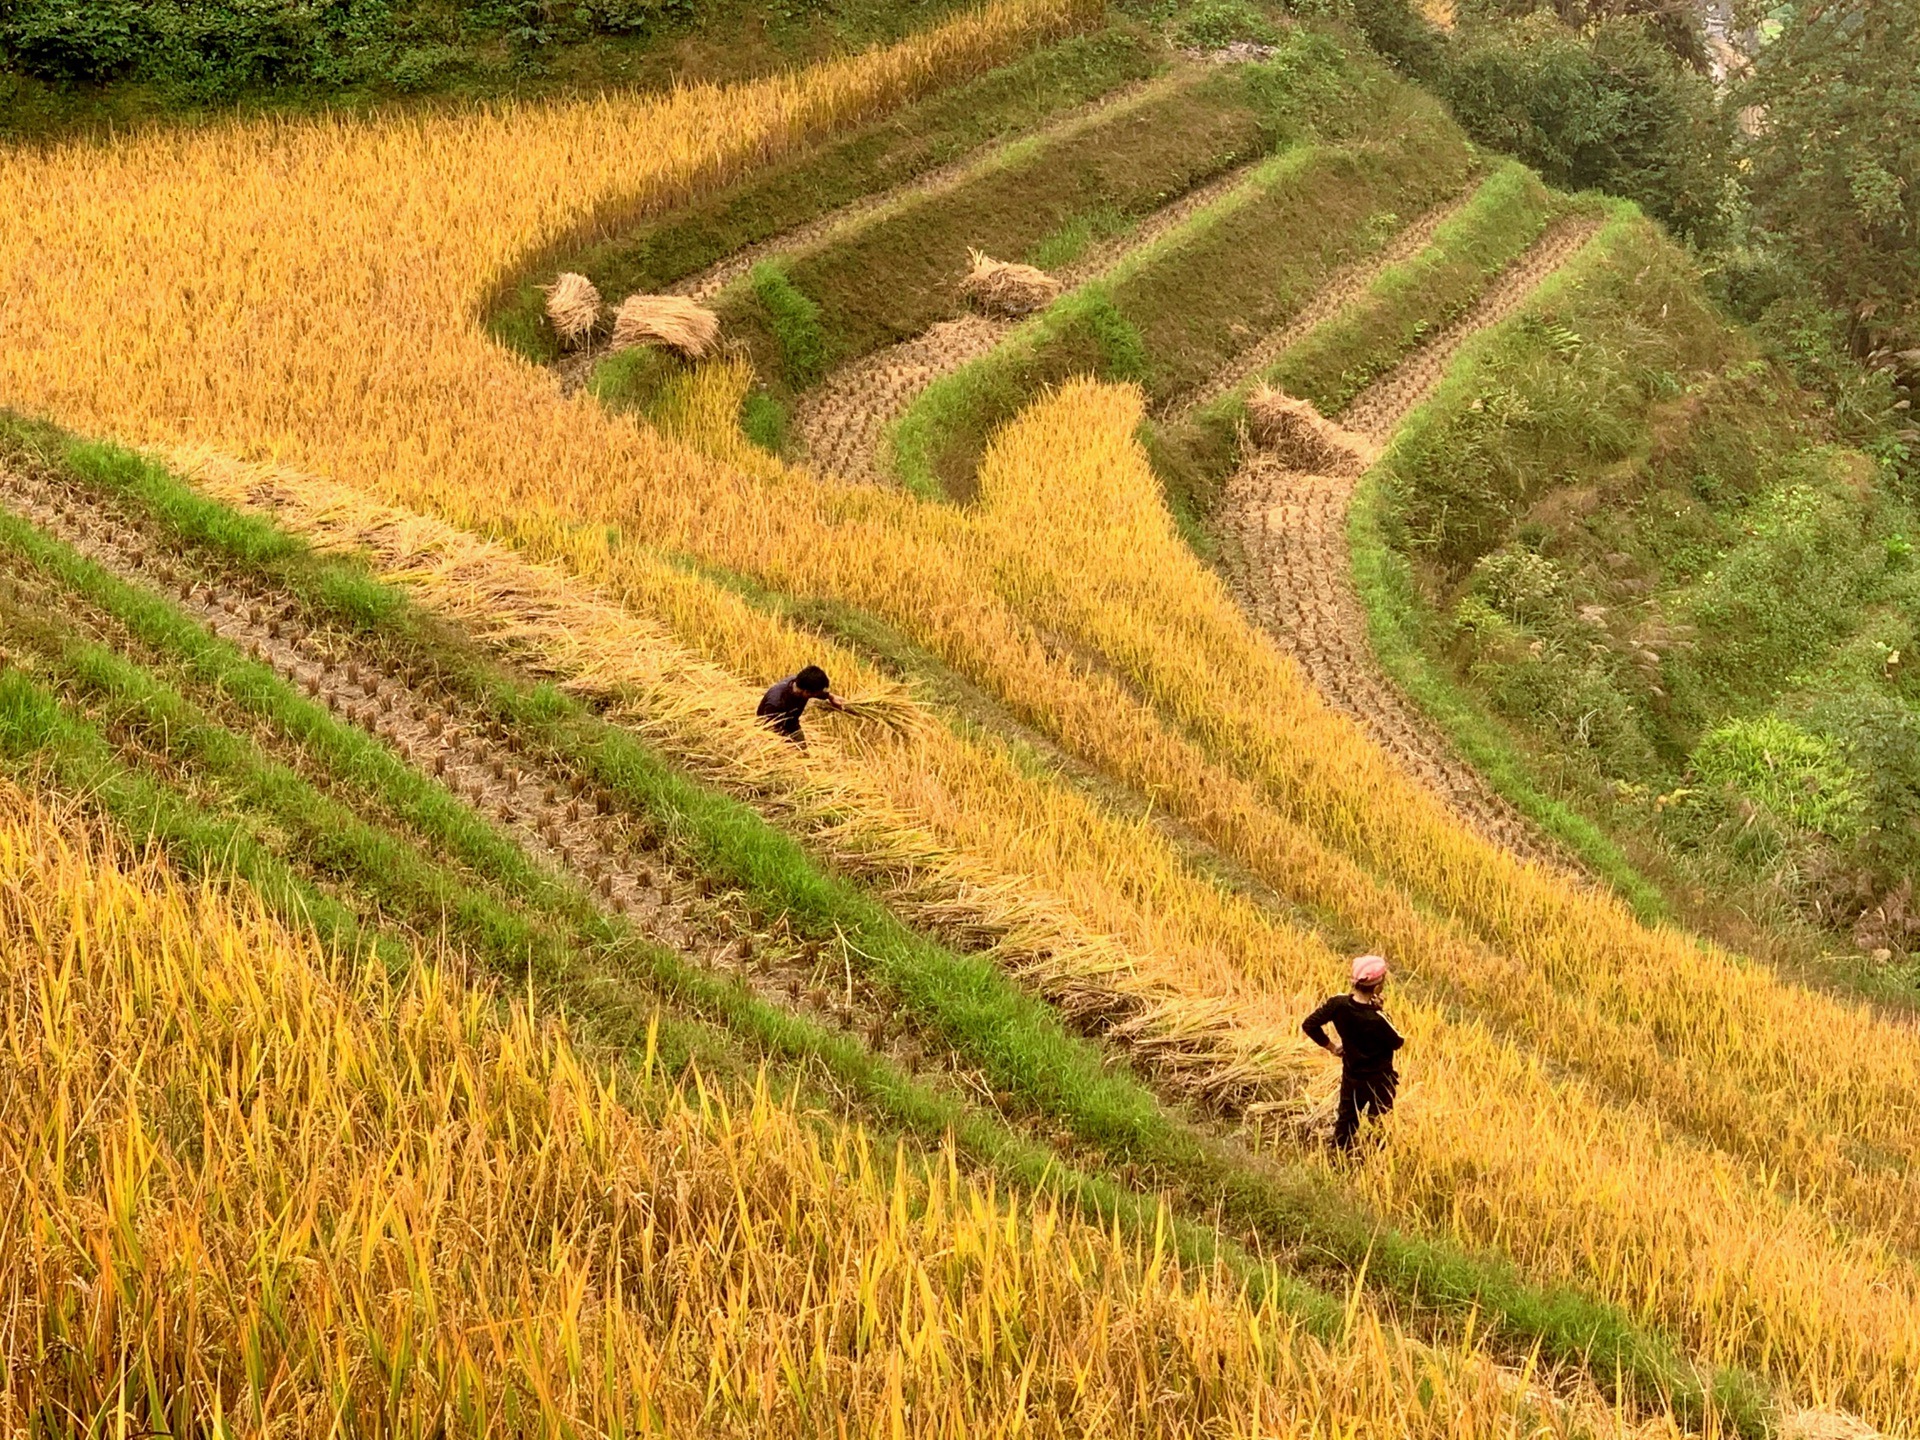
pixel 73 40
pixel 1800 777
pixel 214 49
pixel 1213 24
pixel 793 317
pixel 1612 111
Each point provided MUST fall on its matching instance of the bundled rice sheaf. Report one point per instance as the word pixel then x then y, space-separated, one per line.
pixel 1000 287
pixel 894 709
pixel 573 307
pixel 672 322
pixel 1302 438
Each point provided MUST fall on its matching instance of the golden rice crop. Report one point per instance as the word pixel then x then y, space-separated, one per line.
pixel 1654 1120
pixel 1656 1208
pixel 254 1187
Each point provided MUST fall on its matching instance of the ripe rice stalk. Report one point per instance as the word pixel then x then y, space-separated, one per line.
pixel 894 710
pixel 671 322
pixel 1302 438
pixel 365 1228
pixel 1226 1053
pixel 1004 288
pixel 573 307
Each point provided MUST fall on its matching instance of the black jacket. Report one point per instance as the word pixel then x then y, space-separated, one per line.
pixel 783 705
pixel 1366 1035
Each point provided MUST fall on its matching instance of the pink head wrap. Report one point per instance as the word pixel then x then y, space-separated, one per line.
pixel 1369 970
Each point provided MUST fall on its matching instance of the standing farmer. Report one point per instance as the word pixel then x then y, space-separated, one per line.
pixel 786 701
pixel 1365 1046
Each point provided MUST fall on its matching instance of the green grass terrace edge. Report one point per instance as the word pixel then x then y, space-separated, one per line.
pixel 1018 1040
pixel 896 271
pixel 1179 309
pixel 623 254
pixel 1397 619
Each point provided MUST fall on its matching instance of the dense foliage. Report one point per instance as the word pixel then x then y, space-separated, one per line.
pixel 1834 161
pixel 1613 101
pixel 214 49
pixel 1648 553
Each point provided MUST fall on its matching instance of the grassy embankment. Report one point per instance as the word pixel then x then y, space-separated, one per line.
pixel 1171 315
pixel 915 139
pixel 890 276
pixel 1401 306
pixel 1620 558
pixel 1017 1042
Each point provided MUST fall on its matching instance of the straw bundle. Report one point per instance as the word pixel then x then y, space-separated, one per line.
pixel 1304 1117
pixel 999 287
pixel 670 321
pixel 1301 437
pixel 573 307
pixel 893 709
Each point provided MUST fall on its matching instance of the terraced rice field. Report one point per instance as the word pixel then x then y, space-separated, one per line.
pixel 432 653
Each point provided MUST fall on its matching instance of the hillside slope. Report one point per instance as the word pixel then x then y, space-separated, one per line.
pixel 1119 843
pixel 1631 535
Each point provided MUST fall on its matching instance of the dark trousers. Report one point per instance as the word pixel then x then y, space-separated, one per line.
pixel 1361 1094
pixel 787 723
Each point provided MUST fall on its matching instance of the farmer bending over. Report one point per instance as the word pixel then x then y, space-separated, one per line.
pixel 786 701
pixel 1365 1047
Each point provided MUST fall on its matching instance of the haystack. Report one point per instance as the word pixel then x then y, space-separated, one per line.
pixel 1000 287
pixel 1301 437
pixel 573 306
pixel 670 321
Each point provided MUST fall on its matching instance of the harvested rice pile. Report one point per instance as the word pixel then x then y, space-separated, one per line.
pixel 999 287
pixel 1302 438
pixel 573 305
pixel 670 321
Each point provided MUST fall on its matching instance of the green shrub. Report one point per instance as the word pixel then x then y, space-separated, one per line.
pixel 1613 109
pixel 1799 776
pixel 793 317
pixel 1212 24
pixel 1519 584
pixel 1789 590
pixel 634 380
pixel 214 50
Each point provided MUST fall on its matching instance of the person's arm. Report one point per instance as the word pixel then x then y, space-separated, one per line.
pixel 1315 1026
pixel 833 701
